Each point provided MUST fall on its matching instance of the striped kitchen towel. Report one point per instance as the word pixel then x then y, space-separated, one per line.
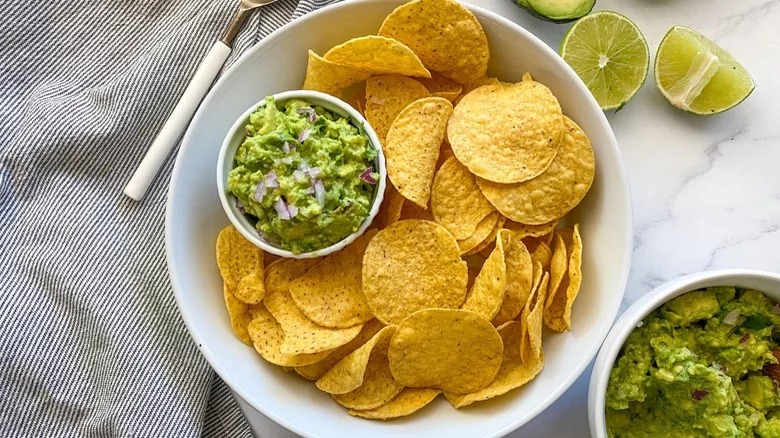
pixel 91 342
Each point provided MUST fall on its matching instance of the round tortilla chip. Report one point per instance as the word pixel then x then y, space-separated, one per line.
pixel 407 402
pixel 519 277
pixel 386 96
pixel 542 254
pixel 236 257
pixel 514 372
pixel 442 86
pixel 457 202
pixel 557 311
pixel 524 230
pixel 482 234
pixel 445 35
pixel 302 336
pixel 506 134
pixel 240 313
pixel 316 370
pixel 330 77
pixel 378 55
pixel 378 385
pixel 251 288
pixel 412 147
pixel 555 192
pixel 531 319
pixel 348 374
pixel 487 292
pixel 330 293
pixel 412 265
pixel 454 350
pixel 491 239
pixel 267 337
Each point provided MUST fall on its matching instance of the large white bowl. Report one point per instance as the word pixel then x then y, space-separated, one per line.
pixel 766 282
pixel 194 217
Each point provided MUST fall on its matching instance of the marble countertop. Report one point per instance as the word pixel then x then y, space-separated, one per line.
pixel 706 190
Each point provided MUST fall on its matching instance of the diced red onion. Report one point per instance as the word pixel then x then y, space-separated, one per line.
pixel 293 210
pixel 310 111
pixel 699 394
pixel 376 100
pixel 286 147
pixel 303 166
pixel 260 192
pixel 240 205
pixel 744 339
pixel 282 209
pixel 299 176
pixel 731 317
pixel 314 172
pixel 310 191
pixel 304 135
pixel 366 175
pixel 319 191
pixel 287 160
pixel 270 180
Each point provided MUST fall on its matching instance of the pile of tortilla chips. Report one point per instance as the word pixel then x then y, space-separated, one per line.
pixel 464 265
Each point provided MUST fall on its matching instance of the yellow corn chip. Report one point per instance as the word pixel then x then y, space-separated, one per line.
pixel 457 202
pixel 378 55
pixel 519 277
pixel 348 374
pixel 251 288
pixel 407 402
pixel 412 265
pixel 482 233
pixel 542 254
pixel 316 370
pixel 330 293
pixel 236 257
pixel 487 293
pixel 267 337
pixel 412 147
pixel 378 385
pixel 386 96
pixel 240 313
pixel 330 77
pixel 557 312
pixel 442 86
pixel 523 230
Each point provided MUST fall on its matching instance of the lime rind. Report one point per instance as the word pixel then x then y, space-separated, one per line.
pixel 610 54
pixel 698 76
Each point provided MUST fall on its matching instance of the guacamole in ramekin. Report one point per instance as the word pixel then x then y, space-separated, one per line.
pixel 704 364
pixel 304 174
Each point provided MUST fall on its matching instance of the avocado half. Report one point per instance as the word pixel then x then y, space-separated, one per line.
pixel 557 11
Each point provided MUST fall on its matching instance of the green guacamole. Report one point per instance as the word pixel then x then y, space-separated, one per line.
pixel 305 175
pixel 702 365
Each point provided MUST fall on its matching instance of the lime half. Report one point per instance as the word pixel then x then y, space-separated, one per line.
pixel 610 54
pixel 697 75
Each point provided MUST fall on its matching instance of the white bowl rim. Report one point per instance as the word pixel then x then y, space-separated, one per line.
pixel 642 307
pixel 620 171
pixel 333 104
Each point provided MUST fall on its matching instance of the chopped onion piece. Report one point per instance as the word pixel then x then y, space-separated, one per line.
pixel 260 192
pixel 640 324
pixel 310 111
pixel 287 160
pixel 270 180
pixel 700 394
pixel 303 166
pixel 304 135
pixel 717 366
pixel 293 210
pixel 731 317
pixel 281 209
pixel 319 191
pixel 299 176
pixel 310 191
pixel 366 175
pixel 286 147
pixel 314 172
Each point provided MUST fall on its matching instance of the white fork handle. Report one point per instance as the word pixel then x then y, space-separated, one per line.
pixel 178 120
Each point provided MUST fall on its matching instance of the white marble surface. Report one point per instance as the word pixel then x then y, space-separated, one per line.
pixel 706 190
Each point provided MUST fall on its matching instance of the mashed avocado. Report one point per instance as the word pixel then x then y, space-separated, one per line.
pixel 702 365
pixel 304 174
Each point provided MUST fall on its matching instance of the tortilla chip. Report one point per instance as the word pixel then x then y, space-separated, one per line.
pixel 236 257
pixel 481 233
pixel 506 134
pixel 556 191
pixel 378 55
pixel 316 370
pixel 445 153
pixel 457 202
pixel 330 77
pixel 487 293
pixel 386 96
pixel 412 147
pixel 240 314
pixel 491 239
pixel 542 254
pixel 558 264
pixel 267 337
pixel 330 293
pixel 390 210
pixel 412 265
pixel 407 402
pixel 348 374
pixel 251 288
pixel 531 320
pixel 445 35
pixel 411 210
pixel 519 277
pixel 378 385
pixel 523 230
pixel 442 86
pixel 454 350
pixel 302 336
pixel 557 312
pixel 514 372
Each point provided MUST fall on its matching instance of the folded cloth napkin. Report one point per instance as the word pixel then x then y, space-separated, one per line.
pixel 91 342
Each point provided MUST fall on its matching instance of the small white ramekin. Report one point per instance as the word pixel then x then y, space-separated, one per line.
pixel 766 282
pixel 236 136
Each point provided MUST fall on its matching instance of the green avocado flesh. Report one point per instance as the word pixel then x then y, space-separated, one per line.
pixel 558 10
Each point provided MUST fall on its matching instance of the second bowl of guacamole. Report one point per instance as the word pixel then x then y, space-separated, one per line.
pixel 703 363
pixel 304 171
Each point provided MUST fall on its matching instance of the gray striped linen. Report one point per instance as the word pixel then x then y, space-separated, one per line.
pixel 91 342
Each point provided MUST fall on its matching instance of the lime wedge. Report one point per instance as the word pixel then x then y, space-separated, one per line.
pixel 610 55
pixel 697 75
